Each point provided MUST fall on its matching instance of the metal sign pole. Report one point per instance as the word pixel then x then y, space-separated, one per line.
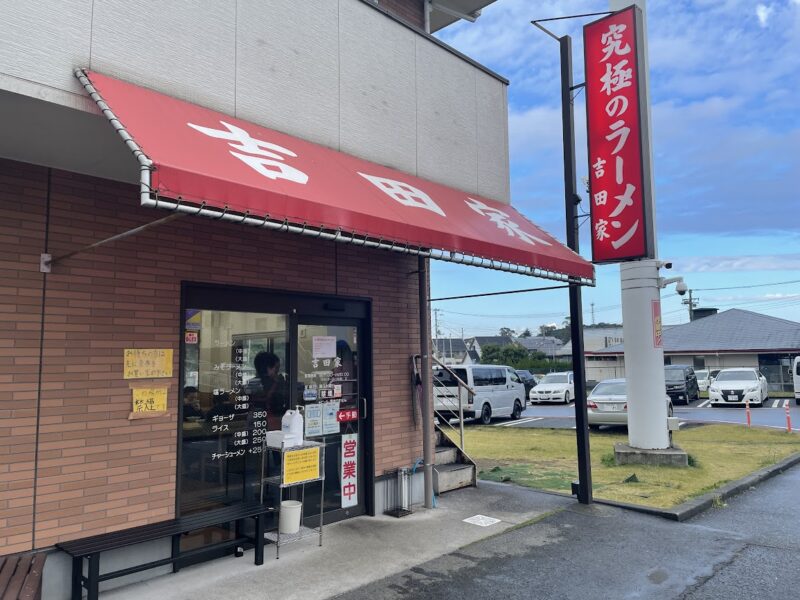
pixel 571 201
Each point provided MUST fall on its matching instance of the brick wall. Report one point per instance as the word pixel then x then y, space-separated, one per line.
pixel 22 215
pixel 410 11
pixel 97 471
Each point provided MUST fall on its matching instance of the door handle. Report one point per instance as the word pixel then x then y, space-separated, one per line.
pixel 364 414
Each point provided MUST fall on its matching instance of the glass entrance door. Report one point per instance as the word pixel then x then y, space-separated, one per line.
pixel 329 390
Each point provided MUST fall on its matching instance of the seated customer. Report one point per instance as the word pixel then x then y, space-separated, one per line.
pixel 191 404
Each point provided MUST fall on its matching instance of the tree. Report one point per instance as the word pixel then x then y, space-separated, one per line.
pixel 507 332
pixel 546 329
pixel 526 334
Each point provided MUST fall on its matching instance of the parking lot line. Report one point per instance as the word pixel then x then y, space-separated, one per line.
pixel 704 403
pixel 519 422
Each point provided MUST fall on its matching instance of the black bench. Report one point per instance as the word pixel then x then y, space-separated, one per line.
pixel 21 576
pixel 90 548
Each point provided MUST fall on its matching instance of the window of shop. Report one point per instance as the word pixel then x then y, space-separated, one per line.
pixel 243 369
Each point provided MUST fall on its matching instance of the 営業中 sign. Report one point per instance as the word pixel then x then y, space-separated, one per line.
pixel 349 470
pixel 619 169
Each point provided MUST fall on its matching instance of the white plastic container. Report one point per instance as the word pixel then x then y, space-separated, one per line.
pixel 289 520
pixel 276 439
pixel 292 425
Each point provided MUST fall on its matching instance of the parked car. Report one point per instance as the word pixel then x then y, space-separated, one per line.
pixel 529 379
pixel 554 387
pixel 739 386
pixel 607 404
pixel 499 392
pixel 705 377
pixel 681 383
pixel 796 379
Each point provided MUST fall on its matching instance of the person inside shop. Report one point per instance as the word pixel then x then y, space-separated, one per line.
pixel 191 403
pixel 269 389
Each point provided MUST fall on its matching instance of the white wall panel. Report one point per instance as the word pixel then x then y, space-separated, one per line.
pixel 43 43
pixel 378 87
pixel 446 118
pixel 492 143
pixel 336 72
pixel 184 48
pixel 288 67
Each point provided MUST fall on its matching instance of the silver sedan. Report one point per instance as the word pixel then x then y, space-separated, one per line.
pixel 607 404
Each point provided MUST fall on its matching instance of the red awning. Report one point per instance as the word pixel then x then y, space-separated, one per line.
pixel 197 160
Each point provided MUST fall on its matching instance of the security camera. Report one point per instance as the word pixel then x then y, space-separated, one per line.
pixel 681 288
pixel 667 265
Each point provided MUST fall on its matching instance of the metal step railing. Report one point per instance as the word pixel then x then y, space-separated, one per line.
pixel 448 401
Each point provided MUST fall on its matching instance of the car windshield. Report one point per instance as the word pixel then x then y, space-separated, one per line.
pixel 555 378
pixel 701 374
pixel 737 376
pixel 613 388
pixel 673 374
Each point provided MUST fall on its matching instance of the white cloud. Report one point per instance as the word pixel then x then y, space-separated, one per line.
pixel 763 13
pixel 719 264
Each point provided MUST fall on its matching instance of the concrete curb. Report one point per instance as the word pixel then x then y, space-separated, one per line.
pixel 693 507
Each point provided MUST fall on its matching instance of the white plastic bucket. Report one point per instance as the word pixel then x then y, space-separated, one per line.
pixel 289 520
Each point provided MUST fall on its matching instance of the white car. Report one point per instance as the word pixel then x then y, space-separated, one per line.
pixel 739 386
pixel 607 404
pixel 499 392
pixel 705 378
pixel 555 387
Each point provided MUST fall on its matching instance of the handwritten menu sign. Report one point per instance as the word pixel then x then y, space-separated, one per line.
pixel 300 465
pixel 147 363
pixel 148 402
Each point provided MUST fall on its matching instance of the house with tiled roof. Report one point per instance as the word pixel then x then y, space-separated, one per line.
pixel 733 338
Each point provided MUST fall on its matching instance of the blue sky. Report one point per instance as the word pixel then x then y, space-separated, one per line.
pixel 725 95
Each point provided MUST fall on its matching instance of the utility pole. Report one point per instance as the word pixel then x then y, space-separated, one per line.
pixel 692 304
pixel 593 313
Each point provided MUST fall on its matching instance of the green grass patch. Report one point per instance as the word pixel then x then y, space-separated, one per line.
pixel 547 459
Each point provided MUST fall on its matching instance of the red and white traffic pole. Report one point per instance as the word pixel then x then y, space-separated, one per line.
pixel 788 419
pixel 747 410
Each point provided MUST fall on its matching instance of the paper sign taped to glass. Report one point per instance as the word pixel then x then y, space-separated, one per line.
pixel 300 465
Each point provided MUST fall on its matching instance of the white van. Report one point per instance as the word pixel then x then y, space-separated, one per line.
pixel 499 392
pixel 796 377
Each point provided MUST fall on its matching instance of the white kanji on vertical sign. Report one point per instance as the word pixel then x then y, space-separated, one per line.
pixel 405 194
pixel 612 42
pixel 266 158
pixel 504 222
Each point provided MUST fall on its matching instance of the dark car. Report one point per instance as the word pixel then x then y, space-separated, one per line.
pixel 681 383
pixel 528 379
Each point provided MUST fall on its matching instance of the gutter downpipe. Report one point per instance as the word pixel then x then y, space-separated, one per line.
pixel 425 360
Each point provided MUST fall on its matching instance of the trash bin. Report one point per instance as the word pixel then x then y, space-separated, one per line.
pixel 289 520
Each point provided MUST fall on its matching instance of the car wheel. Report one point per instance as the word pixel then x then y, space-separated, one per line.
pixel 486 414
pixel 594 427
pixel 517 412
pixel 566 397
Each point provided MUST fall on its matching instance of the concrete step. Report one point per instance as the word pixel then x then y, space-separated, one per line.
pixel 452 477
pixel 446 455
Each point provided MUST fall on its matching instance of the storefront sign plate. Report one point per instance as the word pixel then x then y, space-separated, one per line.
pixel 620 197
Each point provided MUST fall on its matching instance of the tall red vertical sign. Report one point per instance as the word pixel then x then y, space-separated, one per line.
pixel 619 169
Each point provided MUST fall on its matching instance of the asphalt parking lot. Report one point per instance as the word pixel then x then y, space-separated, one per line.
pixel 772 414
